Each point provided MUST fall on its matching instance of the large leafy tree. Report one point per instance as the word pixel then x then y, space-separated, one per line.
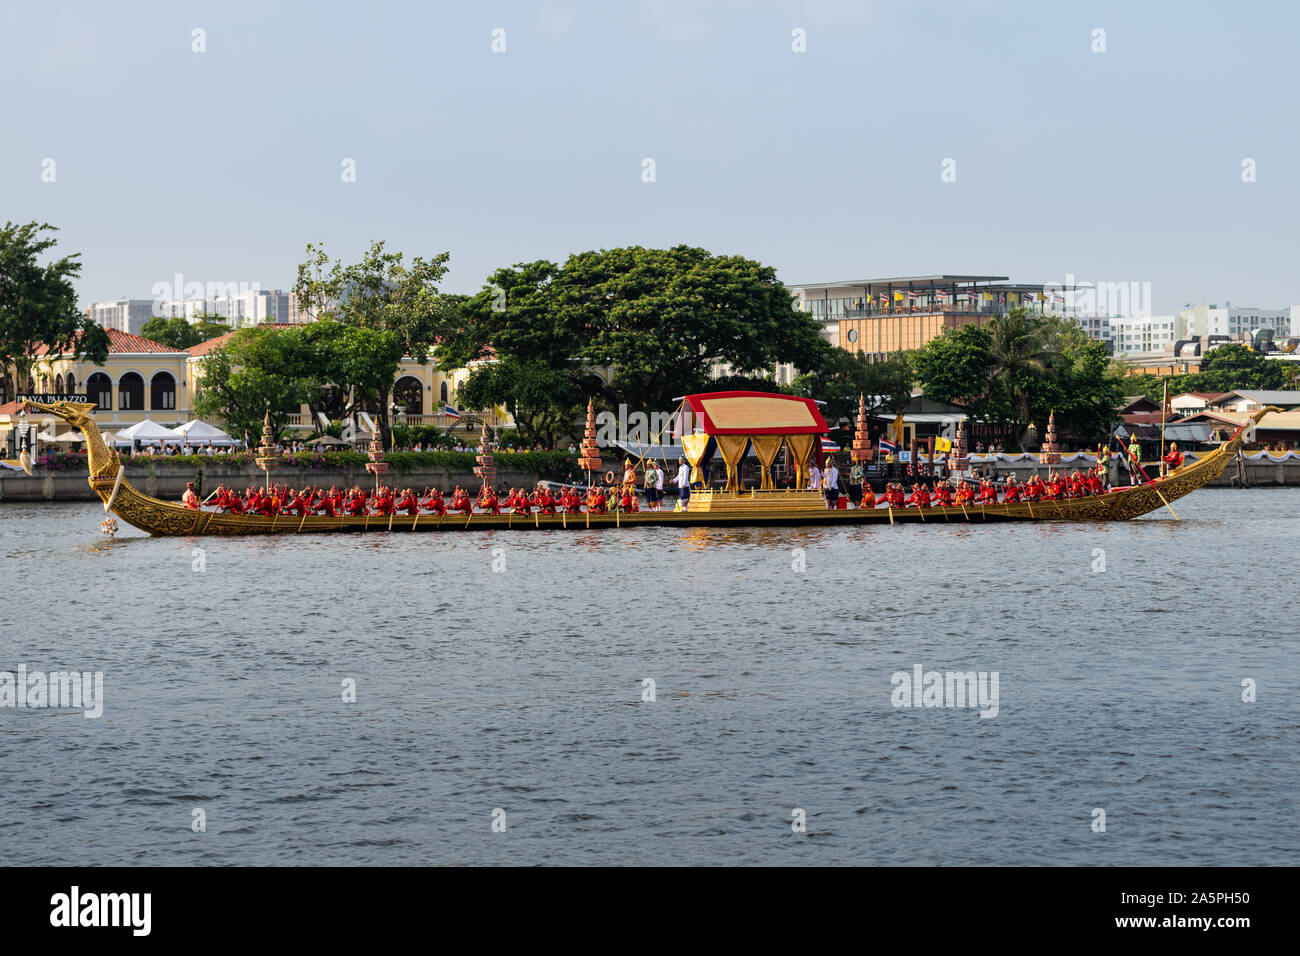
pixel 277 370
pixel 1021 368
pixel 663 319
pixel 383 292
pixel 38 304
pixel 660 320
pixel 537 370
pixel 954 368
pixel 257 372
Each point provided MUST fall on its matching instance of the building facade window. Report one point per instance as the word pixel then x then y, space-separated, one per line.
pixel 408 394
pixel 130 392
pixel 162 392
pixel 99 389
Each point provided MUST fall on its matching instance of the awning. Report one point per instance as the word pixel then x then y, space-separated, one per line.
pixel 756 413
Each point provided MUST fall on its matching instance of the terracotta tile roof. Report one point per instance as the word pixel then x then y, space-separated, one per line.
pixel 124 342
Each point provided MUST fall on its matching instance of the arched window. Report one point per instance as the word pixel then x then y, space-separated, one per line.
pixel 408 395
pixel 442 394
pixel 99 389
pixel 130 392
pixel 70 383
pixel 58 384
pixel 162 391
pixel 6 388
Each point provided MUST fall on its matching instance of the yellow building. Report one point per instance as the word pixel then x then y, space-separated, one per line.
pixel 139 379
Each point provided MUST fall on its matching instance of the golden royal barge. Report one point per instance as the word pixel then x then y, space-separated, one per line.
pixel 728 423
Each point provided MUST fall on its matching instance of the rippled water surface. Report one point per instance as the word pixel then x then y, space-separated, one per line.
pixel 521 689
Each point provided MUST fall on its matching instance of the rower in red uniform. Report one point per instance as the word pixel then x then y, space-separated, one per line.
pixel 437 504
pixel 522 505
pixel 488 502
pixel 383 503
pixel 920 497
pixel 1173 460
pixel 408 503
pixel 460 501
pixel 942 495
pixel 596 503
pixel 544 502
pixel 1011 494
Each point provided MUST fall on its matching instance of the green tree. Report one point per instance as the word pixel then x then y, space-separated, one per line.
pixel 1021 368
pixel 953 369
pixel 1230 367
pixel 38 304
pixel 384 292
pixel 258 371
pixel 661 321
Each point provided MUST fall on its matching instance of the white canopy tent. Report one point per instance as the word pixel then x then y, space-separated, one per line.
pixel 112 441
pixel 149 432
pixel 199 432
pixel 68 438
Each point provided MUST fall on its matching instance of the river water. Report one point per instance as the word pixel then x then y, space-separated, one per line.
pixel 499 712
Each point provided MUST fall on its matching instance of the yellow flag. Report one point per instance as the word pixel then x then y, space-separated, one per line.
pixel 943 444
pixel 898 297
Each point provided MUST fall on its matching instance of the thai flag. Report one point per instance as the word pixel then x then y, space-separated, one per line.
pixel 913 295
pixel 940 293
pixel 888 447
pixel 450 412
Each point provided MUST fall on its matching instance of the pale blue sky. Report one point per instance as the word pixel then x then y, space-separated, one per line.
pixel 1115 166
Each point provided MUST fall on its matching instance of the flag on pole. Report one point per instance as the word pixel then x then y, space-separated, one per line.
pixel 450 412
pixel 912 295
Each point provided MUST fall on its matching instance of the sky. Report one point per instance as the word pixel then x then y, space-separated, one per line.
pixel 212 140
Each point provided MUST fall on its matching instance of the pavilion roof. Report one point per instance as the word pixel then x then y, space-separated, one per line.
pixel 756 413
